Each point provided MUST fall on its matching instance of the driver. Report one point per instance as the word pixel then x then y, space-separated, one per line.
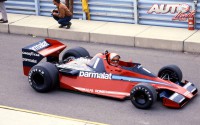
pixel 113 59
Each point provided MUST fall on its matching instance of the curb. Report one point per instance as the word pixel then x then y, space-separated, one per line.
pixel 50 115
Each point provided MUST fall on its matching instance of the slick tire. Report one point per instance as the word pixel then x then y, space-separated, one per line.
pixel 74 53
pixel 171 72
pixel 43 77
pixel 143 96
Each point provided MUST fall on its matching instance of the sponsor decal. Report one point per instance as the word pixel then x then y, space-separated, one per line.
pixel 30 54
pixel 95 75
pixel 112 92
pixel 182 11
pixel 138 88
pixel 29 60
pixel 85 89
pixel 33 71
pixel 96 91
pixel 41 45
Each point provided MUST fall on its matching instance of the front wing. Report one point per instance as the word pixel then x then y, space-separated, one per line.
pixel 177 100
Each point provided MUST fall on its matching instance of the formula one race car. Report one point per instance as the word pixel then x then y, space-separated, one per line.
pixel 95 75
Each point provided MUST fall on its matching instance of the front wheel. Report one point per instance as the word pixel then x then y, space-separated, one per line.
pixel 171 72
pixel 143 96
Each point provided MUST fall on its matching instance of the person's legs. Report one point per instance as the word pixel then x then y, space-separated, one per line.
pixel 3 11
pixel 68 21
pixel 62 22
pixel 65 22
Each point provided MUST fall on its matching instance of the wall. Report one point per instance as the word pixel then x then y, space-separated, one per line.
pixel 125 11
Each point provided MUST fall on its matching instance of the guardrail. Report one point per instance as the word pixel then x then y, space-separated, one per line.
pixel 126 11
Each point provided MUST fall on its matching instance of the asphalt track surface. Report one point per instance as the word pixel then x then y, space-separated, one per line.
pixel 16 92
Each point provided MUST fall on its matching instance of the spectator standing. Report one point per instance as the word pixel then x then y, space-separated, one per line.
pixel 3 11
pixel 62 14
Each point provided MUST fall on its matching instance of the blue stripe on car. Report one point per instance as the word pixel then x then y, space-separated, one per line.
pixel 132 79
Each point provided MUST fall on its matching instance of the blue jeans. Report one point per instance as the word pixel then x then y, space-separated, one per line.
pixel 63 21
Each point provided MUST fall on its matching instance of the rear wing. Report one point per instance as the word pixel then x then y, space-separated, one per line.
pixel 34 53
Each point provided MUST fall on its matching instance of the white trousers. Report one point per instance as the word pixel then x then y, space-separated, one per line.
pixel 3 11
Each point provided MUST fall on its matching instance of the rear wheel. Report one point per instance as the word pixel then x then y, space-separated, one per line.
pixel 43 77
pixel 171 72
pixel 143 96
pixel 74 53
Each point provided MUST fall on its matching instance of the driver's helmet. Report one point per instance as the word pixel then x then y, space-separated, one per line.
pixel 113 59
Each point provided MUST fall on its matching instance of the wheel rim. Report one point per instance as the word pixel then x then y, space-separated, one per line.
pixel 68 59
pixel 169 75
pixel 141 98
pixel 38 80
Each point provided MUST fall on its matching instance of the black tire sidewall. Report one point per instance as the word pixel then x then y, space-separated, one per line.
pixel 50 74
pixel 53 72
pixel 47 79
pixel 149 92
pixel 82 51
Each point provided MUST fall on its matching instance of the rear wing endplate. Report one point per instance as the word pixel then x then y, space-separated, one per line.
pixel 34 53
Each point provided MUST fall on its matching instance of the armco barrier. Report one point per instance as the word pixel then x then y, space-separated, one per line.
pixel 126 11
